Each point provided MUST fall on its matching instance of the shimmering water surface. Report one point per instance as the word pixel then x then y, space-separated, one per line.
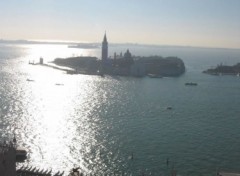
pixel 118 124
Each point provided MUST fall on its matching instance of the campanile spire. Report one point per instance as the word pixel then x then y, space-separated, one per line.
pixel 104 48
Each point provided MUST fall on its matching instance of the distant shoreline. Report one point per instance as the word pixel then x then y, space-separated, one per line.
pixel 74 43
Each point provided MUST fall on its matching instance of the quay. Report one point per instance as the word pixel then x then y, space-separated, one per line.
pixel 52 66
pixel 65 69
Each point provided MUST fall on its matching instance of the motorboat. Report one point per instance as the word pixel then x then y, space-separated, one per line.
pixel 154 76
pixel 21 154
pixel 191 84
pixel 31 80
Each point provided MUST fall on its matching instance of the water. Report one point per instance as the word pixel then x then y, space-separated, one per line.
pixel 100 123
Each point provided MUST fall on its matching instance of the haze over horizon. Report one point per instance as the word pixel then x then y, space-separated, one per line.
pixel 206 23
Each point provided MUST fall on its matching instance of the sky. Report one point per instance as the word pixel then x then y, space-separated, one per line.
pixel 206 23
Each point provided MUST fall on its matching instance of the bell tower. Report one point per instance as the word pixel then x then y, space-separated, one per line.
pixel 104 48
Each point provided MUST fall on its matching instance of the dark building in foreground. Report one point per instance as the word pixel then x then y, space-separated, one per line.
pixel 7 159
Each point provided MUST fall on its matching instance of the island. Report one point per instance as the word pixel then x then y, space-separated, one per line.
pixel 224 70
pixel 127 65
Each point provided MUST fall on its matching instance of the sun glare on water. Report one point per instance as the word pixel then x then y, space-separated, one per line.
pixel 56 128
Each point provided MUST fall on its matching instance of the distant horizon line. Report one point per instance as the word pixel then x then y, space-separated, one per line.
pixel 68 42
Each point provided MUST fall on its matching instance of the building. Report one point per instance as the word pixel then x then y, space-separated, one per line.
pixel 138 68
pixel 41 60
pixel 123 61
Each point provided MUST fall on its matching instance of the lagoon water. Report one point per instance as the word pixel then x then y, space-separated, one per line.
pixel 115 125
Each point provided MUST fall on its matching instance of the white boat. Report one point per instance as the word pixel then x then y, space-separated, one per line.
pixel 154 76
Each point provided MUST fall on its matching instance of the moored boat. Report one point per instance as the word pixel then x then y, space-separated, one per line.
pixel 154 76
pixel 191 84
pixel 21 154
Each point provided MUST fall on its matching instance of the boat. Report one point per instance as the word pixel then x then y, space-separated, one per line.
pixel 31 80
pixel 191 84
pixel 59 84
pixel 21 154
pixel 154 76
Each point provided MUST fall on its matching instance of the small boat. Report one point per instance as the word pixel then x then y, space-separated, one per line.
pixel 191 84
pixel 59 84
pixel 31 80
pixel 21 154
pixel 154 76
pixel 169 108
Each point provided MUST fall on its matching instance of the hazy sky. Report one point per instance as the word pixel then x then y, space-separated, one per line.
pixel 214 23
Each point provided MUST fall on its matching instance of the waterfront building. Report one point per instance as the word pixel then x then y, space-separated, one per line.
pixel 123 61
pixel 138 68
pixel 128 58
pixel 127 55
pixel 41 60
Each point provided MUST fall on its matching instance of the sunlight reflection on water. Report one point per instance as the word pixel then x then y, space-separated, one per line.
pixel 59 124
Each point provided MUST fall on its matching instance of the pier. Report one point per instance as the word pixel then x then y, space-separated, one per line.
pixel 70 71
